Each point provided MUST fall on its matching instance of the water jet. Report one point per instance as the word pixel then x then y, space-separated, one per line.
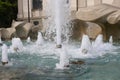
pixel 28 40
pixel 40 39
pixel 16 46
pixel 4 54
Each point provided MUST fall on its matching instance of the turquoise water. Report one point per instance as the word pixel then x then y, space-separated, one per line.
pixel 36 66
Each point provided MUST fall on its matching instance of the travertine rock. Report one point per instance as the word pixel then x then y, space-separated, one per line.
pixel 34 32
pixel 95 12
pixel 23 30
pixel 7 33
pixel 16 23
pixel 114 18
pixel 93 30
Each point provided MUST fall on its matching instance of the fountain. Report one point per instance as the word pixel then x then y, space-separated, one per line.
pixel 4 54
pixel 66 62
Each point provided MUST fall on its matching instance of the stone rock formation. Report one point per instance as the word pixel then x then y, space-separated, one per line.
pixel 16 23
pixel 7 33
pixel 23 30
pixel 104 18
pixel 96 12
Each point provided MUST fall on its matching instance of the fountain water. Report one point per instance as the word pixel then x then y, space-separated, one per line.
pixel 85 44
pixel 47 55
pixel 4 54
pixel 58 21
pixel 28 40
pixel 40 39
pixel 111 40
pixel 1 41
pixel 99 41
pixel 63 61
pixel 16 46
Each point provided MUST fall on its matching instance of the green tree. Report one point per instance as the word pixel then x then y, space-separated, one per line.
pixel 8 12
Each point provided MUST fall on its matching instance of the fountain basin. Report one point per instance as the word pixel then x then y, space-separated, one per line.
pixel 38 63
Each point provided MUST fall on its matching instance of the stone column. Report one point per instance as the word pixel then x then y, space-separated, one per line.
pixel 90 3
pixel 116 3
pixel 30 7
pixel 25 8
pixel 82 3
pixel 97 2
pixel 20 9
pixel 73 5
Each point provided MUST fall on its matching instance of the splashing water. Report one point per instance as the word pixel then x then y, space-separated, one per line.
pixel 58 20
pixel 64 60
pixel 40 39
pixel 28 40
pixel 85 44
pixel 16 46
pixel 48 50
pixel 99 41
pixel 0 40
pixel 58 29
pixel 4 53
pixel 111 40
pixel 57 25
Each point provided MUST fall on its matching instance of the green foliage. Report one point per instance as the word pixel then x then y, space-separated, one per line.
pixel 8 12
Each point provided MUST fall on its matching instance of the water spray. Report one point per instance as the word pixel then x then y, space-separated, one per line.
pixel 4 54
